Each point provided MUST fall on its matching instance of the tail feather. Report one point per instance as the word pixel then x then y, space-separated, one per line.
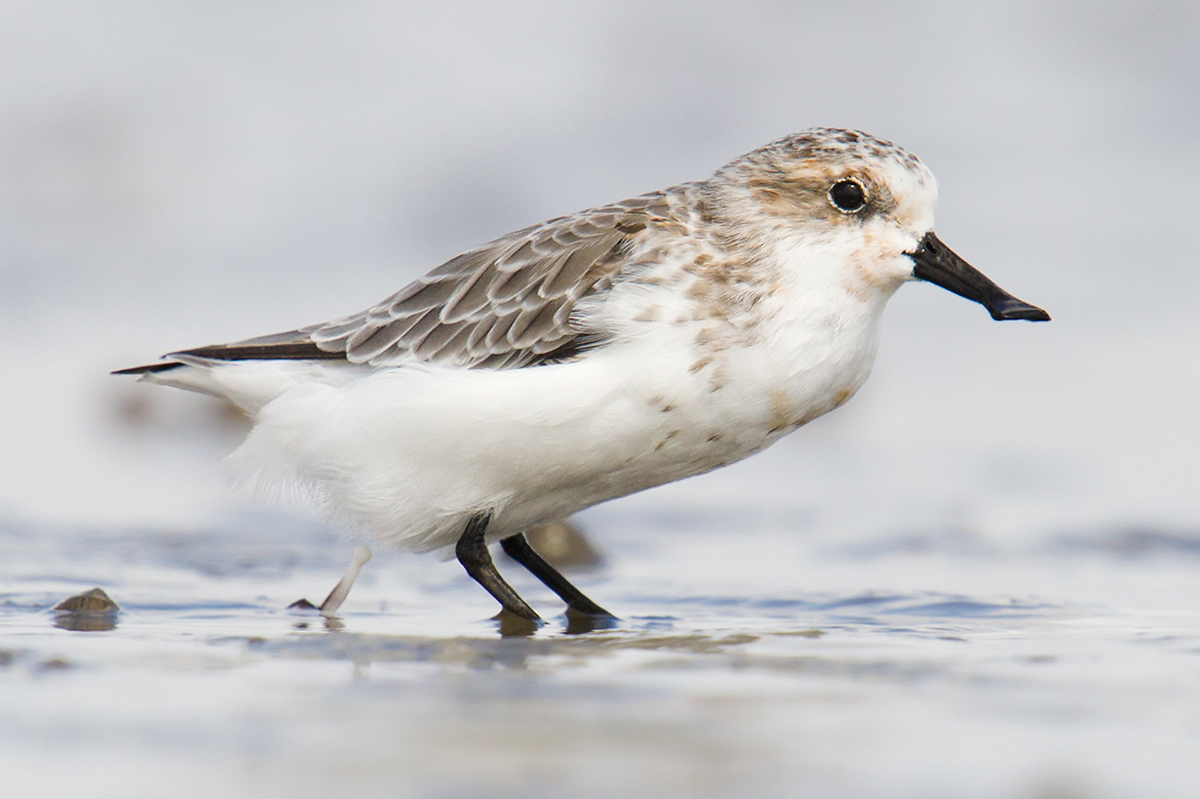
pixel 248 384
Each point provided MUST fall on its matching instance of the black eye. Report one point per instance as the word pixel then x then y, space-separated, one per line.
pixel 847 196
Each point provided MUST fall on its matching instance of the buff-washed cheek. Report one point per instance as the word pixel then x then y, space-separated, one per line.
pixel 791 200
pixel 880 261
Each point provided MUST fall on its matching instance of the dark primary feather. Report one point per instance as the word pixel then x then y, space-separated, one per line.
pixel 504 305
pixel 148 368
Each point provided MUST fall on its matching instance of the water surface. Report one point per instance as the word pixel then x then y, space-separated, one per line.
pixel 903 670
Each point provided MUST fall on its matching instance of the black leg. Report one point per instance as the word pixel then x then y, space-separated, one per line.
pixel 519 550
pixel 473 554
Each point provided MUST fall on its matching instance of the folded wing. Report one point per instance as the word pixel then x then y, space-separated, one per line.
pixel 504 305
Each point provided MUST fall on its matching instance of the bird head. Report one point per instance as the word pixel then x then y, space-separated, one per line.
pixel 864 202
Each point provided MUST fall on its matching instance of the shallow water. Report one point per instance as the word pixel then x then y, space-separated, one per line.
pixel 782 667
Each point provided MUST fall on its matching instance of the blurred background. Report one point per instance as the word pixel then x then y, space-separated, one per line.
pixel 174 175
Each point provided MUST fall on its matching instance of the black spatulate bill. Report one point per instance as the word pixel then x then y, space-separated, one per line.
pixel 940 265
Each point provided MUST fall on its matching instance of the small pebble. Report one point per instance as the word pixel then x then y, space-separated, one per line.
pixel 92 611
pixel 93 601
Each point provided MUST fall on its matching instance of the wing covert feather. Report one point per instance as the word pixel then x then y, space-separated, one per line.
pixel 504 305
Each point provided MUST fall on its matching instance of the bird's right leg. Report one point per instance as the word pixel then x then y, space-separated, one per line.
pixel 518 548
pixel 472 553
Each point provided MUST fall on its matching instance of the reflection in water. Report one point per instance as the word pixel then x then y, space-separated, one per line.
pixel 580 623
pixel 513 652
pixel 513 626
pixel 86 621
pixel 333 624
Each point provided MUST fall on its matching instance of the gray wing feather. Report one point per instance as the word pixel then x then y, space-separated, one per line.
pixel 503 305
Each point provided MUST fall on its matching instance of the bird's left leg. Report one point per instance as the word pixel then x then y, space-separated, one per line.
pixel 473 554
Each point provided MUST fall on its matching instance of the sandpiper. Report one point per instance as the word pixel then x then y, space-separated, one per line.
pixel 594 355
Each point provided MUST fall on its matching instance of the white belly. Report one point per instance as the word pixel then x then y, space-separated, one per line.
pixel 406 455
